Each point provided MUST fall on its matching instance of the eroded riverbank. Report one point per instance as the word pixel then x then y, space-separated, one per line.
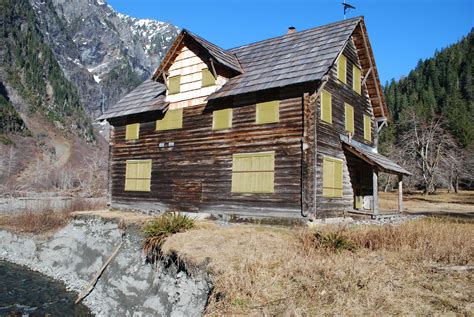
pixel 129 285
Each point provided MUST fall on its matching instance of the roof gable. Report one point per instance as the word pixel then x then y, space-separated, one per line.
pixel 215 53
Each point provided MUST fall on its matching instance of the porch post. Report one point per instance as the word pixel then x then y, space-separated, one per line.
pixel 400 193
pixel 375 202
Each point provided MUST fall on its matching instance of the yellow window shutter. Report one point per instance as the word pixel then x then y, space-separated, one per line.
pixel 342 68
pixel 349 118
pixel 367 128
pixel 131 172
pixel 268 112
pixel 356 84
pixel 132 131
pixel 326 106
pixel 338 178
pixel 332 177
pixel 174 85
pixel 207 78
pixel 173 119
pixel 253 172
pixel 222 119
pixel 138 175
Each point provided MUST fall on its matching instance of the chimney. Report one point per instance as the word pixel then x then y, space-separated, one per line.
pixel 291 30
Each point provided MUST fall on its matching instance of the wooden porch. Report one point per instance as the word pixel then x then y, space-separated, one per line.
pixel 364 168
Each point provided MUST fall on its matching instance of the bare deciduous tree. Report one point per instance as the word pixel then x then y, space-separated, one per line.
pixel 428 146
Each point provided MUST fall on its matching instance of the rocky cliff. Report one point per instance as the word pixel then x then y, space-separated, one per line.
pixel 104 53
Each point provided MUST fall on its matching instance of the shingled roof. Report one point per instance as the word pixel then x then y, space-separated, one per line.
pixel 300 57
pixel 146 97
pixel 289 59
pixel 222 56
pixel 376 160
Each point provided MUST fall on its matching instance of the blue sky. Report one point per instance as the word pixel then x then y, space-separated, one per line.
pixel 401 32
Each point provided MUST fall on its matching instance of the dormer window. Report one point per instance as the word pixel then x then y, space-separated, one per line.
pixel 342 68
pixel 207 78
pixel 174 85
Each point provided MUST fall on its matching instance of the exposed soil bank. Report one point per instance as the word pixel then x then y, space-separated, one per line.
pixel 129 286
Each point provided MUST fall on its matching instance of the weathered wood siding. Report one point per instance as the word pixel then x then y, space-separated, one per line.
pixel 328 135
pixel 189 66
pixel 195 174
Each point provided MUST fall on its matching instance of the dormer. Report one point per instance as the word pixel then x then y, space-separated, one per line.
pixel 193 69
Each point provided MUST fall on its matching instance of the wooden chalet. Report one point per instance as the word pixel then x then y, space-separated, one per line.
pixel 285 127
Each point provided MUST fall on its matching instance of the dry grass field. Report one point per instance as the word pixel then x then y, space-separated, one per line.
pixel 440 203
pixel 422 267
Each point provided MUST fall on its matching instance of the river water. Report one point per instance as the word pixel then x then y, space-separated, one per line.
pixel 27 293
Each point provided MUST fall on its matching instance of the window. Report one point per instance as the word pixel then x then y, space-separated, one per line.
pixel 207 78
pixel 222 119
pixel 356 85
pixel 138 175
pixel 253 172
pixel 342 68
pixel 326 106
pixel 367 128
pixel 268 112
pixel 332 177
pixel 173 119
pixel 174 85
pixel 349 118
pixel 132 131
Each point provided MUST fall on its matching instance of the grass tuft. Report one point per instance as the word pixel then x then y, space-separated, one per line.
pixel 161 227
pixel 334 240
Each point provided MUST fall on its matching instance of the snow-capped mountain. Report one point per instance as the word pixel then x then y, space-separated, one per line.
pixel 104 53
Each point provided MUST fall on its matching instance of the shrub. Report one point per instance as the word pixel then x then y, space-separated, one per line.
pixel 161 227
pixel 334 240
pixel 36 221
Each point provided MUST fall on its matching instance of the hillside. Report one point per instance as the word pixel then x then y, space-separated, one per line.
pixel 432 128
pixel 439 86
pixel 63 64
pixel 105 54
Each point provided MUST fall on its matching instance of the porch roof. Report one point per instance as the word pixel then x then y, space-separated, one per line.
pixel 376 160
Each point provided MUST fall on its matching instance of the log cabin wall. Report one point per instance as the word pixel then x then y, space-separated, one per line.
pixel 194 171
pixel 328 135
pixel 189 66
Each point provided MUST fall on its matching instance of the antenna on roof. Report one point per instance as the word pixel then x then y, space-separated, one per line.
pixel 347 7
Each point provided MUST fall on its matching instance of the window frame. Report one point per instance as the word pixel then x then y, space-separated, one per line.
pixel 172 85
pixel 252 174
pixel 326 190
pixel 359 79
pixel 166 127
pixel 229 114
pixel 323 94
pixel 260 107
pixel 129 180
pixel 205 82
pixel 346 125
pixel 129 135
pixel 367 128
pixel 342 59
